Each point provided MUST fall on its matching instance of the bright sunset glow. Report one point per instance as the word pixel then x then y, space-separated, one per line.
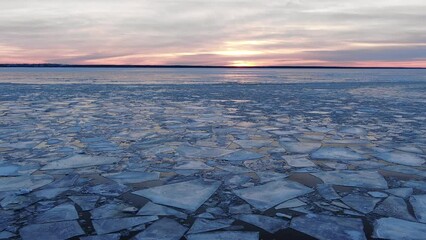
pixel 196 32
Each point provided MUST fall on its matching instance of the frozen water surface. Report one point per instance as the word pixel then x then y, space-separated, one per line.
pixel 329 227
pixel 188 195
pixel 51 231
pixel 271 194
pixel 224 235
pixel 365 179
pixel 339 153
pixel 395 229
pixel 163 229
pixel 419 205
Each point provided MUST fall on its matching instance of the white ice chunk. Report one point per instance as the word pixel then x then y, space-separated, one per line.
pixel 394 207
pixel 132 177
pixel 197 165
pixel 269 224
pixel 300 147
pixel 360 203
pixel 189 195
pixel 329 227
pixel 59 213
pixel 336 153
pixel 202 152
pixel 103 226
pixel 163 229
pixel 327 192
pixel 299 161
pixel 204 225
pixel 224 235
pixel 419 205
pixel 24 182
pixel 271 194
pixel 402 158
pixel 401 192
pixel 270 176
pixel 396 229
pixel 79 161
pixel 291 204
pixel 253 143
pixel 158 210
pixel 51 231
pixel 364 179
pixel 242 155
pixel 85 202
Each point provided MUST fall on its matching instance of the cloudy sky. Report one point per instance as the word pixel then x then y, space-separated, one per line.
pixel 214 32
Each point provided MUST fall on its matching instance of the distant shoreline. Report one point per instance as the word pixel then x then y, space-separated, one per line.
pixel 49 65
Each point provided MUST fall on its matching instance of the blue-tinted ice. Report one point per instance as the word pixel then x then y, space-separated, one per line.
pixel 338 160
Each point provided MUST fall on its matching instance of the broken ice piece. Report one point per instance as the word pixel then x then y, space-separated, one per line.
pixel 329 227
pixel 163 229
pixel 365 179
pixel 402 158
pixel 419 206
pixel 224 235
pixel 86 203
pixel 242 155
pixel 204 225
pixel 152 209
pixel 396 229
pixel 327 192
pixel 80 160
pixel 111 236
pixel 299 161
pixel 291 204
pixel 269 224
pixel 400 192
pixel 108 189
pixel 59 213
pixel 270 176
pixel 189 195
pixel 192 165
pixel 24 182
pixel 51 231
pixel 360 203
pixel 300 147
pixel 132 177
pixel 336 153
pixel 394 207
pixel 271 194
pixel 103 226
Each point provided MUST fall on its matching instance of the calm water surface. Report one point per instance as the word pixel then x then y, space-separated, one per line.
pixel 204 75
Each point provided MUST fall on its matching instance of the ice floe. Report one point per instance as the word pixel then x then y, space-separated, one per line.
pixel 271 194
pixel 364 179
pixel 224 235
pixel 163 229
pixel 79 161
pixel 159 210
pixel 269 224
pixel 204 225
pixel 419 206
pixel 329 227
pixel 402 158
pixel 51 231
pixel 396 229
pixel 189 195
pixel 110 225
pixel 336 153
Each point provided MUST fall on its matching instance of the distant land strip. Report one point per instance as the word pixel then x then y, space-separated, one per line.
pixel 55 65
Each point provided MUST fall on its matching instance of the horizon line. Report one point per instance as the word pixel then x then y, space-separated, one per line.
pixel 58 65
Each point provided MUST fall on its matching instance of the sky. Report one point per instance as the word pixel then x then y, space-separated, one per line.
pixel 366 33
